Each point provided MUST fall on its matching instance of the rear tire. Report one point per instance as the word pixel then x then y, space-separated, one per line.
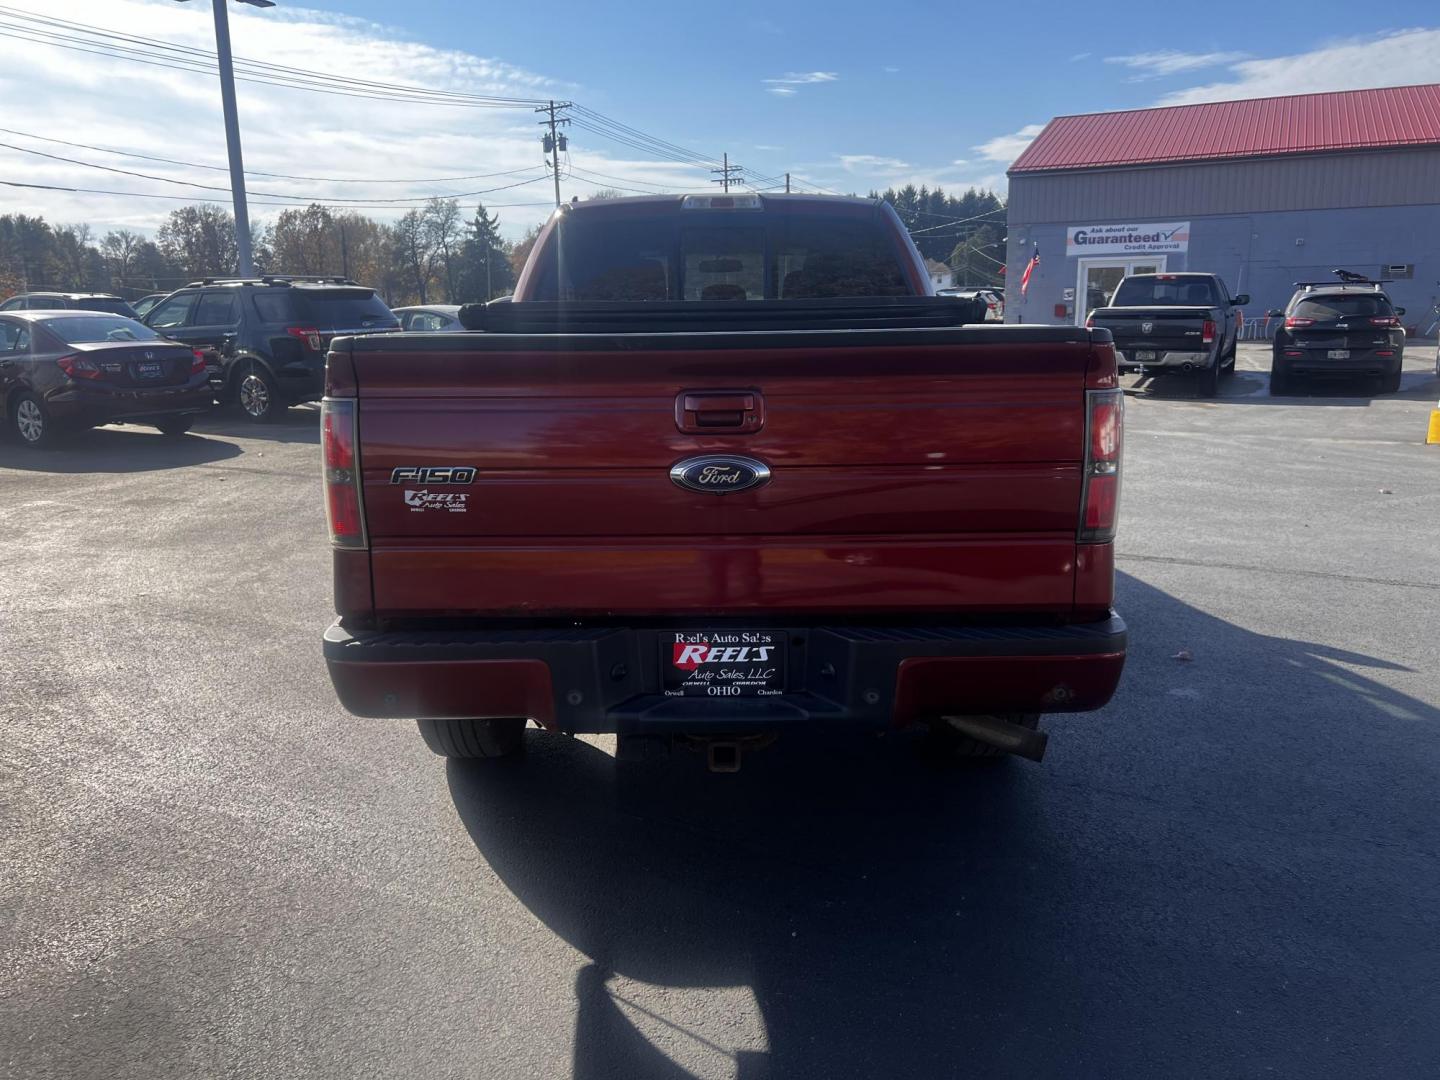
pixel 174 426
pixel 1390 381
pixel 30 422
pixel 474 738
pixel 944 742
pixel 1281 380
pixel 1209 384
pixel 257 394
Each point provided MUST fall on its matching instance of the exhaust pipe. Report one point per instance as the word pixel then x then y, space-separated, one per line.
pixel 1002 734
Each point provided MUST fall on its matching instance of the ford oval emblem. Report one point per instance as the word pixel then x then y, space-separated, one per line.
pixel 719 474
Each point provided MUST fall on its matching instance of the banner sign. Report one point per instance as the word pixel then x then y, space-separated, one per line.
pixel 1127 239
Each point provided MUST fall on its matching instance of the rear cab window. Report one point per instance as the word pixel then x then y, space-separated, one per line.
pixel 1342 306
pixel 663 252
pixel 1169 290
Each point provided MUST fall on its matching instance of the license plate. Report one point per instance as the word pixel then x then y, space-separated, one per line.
pixel 723 663
pixel 1144 354
pixel 149 369
pixel 1338 354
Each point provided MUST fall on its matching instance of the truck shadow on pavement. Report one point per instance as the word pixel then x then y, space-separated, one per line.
pixel 1216 875
pixel 117 450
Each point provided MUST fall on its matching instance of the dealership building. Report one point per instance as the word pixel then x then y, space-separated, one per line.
pixel 1264 192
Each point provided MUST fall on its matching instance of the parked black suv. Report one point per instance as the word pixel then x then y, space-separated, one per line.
pixel 1339 329
pixel 79 301
pixel 269 335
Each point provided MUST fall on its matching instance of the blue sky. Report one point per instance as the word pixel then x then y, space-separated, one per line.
pixel 848 96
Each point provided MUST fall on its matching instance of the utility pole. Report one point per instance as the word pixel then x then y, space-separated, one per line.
pixel 344 252
pixel 725 179
pixel 787 183
pixel 554 143
pixel 232 140
pixel 232 132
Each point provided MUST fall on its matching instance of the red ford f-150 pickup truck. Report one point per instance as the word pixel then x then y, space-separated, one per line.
pixel 723 469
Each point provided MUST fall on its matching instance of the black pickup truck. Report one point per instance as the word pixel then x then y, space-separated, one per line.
pixel 1169 322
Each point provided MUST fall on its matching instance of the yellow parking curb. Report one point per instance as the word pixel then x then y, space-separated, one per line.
pixel 1434 436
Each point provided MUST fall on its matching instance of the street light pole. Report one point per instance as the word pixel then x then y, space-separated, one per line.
pixel 232 140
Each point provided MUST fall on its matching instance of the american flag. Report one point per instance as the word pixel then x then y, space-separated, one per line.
pixel 1029 269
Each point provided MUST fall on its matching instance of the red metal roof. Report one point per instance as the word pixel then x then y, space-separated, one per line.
pixel 1259 127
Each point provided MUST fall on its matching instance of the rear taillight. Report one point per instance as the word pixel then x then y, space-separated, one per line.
pixel 1294 352
pixel 1100 492
pixel 344 507
pixel 197 362
pixel 1207 332
pixel 310 336
pixel 78 367
pixel 1292 322
pixel 1385 320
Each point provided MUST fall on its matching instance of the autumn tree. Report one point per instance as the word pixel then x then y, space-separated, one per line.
pixel 200 240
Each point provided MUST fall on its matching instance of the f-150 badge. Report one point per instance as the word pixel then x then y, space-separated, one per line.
pixel 432 474
pixel 422 500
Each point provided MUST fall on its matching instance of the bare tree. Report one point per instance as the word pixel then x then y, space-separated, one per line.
pixel 414 251
pixel 119 248
pixel 445 229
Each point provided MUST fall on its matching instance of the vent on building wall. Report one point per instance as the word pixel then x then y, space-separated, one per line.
pixel 1397 270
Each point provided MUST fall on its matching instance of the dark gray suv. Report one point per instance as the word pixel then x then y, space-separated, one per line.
pixel 267 337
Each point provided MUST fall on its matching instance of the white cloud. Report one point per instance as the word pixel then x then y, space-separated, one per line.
pixel 1006 148
pixel 1396 58
pixel 1080 56
pixel 766 146
pixel 802 78
pixel 117 103
pixel 1156 65
pixel 890 70
pixel 781 91
pixel 855 163
pixel 960 162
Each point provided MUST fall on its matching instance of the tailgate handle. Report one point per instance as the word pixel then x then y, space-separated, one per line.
pixel 719 410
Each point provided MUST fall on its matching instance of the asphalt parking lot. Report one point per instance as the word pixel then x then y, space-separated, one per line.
pixel 210 870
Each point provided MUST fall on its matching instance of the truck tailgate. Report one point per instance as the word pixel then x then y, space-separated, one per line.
pixel 933 469
pixel 1165 329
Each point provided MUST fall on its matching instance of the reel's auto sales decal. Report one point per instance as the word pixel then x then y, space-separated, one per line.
pixel 723 663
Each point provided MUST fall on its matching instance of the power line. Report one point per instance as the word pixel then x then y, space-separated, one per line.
pixel 617 187
pixel 957 221
pixel 220 202
pixel 407 199
pixel 67 31
pixel 254 172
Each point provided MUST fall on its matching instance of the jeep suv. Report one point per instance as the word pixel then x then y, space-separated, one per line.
pixel 268 336
pixel 1339 329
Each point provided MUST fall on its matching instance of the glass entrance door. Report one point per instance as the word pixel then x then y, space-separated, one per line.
pixel 1099 277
